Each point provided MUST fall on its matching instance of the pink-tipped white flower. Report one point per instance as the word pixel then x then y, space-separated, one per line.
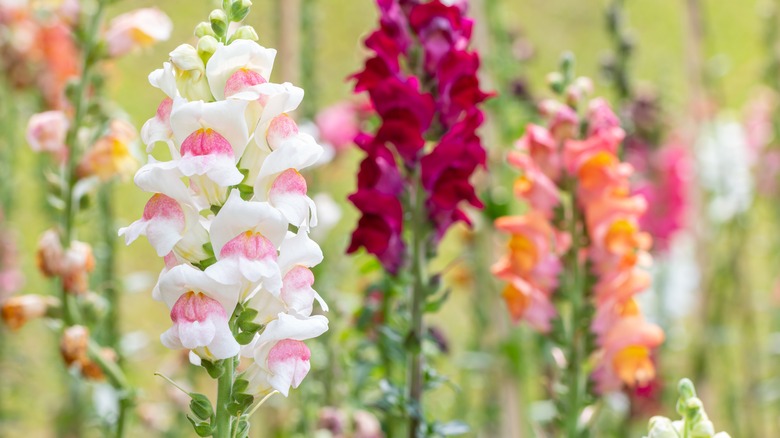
pixel 245 237
pixel 279 181
pixel 46 132
pixel 281 359
pixel 170 226
pixel 237 66
pixel 137 29
pixel 200 309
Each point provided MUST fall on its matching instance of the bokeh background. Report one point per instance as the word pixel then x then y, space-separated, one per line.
pixel 731 351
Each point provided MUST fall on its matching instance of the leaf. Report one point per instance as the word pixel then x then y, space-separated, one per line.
pixel 215 370
pixel 201 406
pixel 201 428
pixel 435 304
pixel 248 314
pixel 249 326
pixel 240 385
pixel 245 338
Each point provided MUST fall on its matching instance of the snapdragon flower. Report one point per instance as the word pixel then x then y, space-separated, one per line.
pixel 230 211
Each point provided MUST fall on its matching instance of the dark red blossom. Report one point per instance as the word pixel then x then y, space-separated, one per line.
pixel 438 108
pixel 441 29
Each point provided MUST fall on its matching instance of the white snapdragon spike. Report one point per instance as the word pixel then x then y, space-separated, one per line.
pixel 200 310
pixel 245 237
pixel 222 207
pixel 170 226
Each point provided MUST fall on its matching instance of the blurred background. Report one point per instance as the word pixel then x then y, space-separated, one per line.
pixel 700 72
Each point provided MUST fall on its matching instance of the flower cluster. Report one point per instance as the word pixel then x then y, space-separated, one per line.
pixel 554 164
pixel 39 52
pixel 418 98
pixel 694 422
pixel 229 211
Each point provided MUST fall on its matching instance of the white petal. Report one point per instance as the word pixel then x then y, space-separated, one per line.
pixel 224 344
pixel 196 333
pixel 165 80
pixel 299 250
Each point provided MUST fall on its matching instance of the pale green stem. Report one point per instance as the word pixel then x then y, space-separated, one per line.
pixel 576 339
pixel 418 294
pixel 222 422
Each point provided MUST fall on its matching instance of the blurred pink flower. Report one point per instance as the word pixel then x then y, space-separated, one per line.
pixel 137 29
pixel 666 190
pixel 339 124
pixel 46 132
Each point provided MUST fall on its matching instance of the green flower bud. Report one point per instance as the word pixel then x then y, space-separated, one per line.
pixel 239 9
pixel 206 47
pixel 203 29
pixel 245 33
pixel 219 22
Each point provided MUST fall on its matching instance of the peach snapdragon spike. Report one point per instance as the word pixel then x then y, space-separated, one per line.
pixel 230 216
pixel 577 257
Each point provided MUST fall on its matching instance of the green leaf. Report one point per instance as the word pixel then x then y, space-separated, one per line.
pixel 215 370
pixel 234 409
pixel 244 400
pixel 244 338
pixel 248 314
pixel 201 406
pixel 201 428
pixel 240 385
pixel 435 304
pixel 249 326
pixel 242 429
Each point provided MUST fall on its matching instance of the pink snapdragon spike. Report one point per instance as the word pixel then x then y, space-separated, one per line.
pixel 137 29
pixel 607 221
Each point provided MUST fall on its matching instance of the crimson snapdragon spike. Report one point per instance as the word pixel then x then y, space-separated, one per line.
pixel 423 85
pixel 415 180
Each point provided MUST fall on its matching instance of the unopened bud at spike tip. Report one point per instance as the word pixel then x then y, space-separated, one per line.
pixel 219 22
pixel 203 28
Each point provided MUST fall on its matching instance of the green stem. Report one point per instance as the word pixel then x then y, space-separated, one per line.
pixel 108 274
pixel 70 311
pixel 224 396
pixel 577 338
pixel 418 294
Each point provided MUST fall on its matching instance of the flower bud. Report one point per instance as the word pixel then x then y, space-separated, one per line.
pixel 219 22
pixel 76 264
pixel 73 345
pixel 245 33
pixel 206 47
pixel 239 9
pixel 50 254
pixel 203 28
pixel 16 311
pixel 190 73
